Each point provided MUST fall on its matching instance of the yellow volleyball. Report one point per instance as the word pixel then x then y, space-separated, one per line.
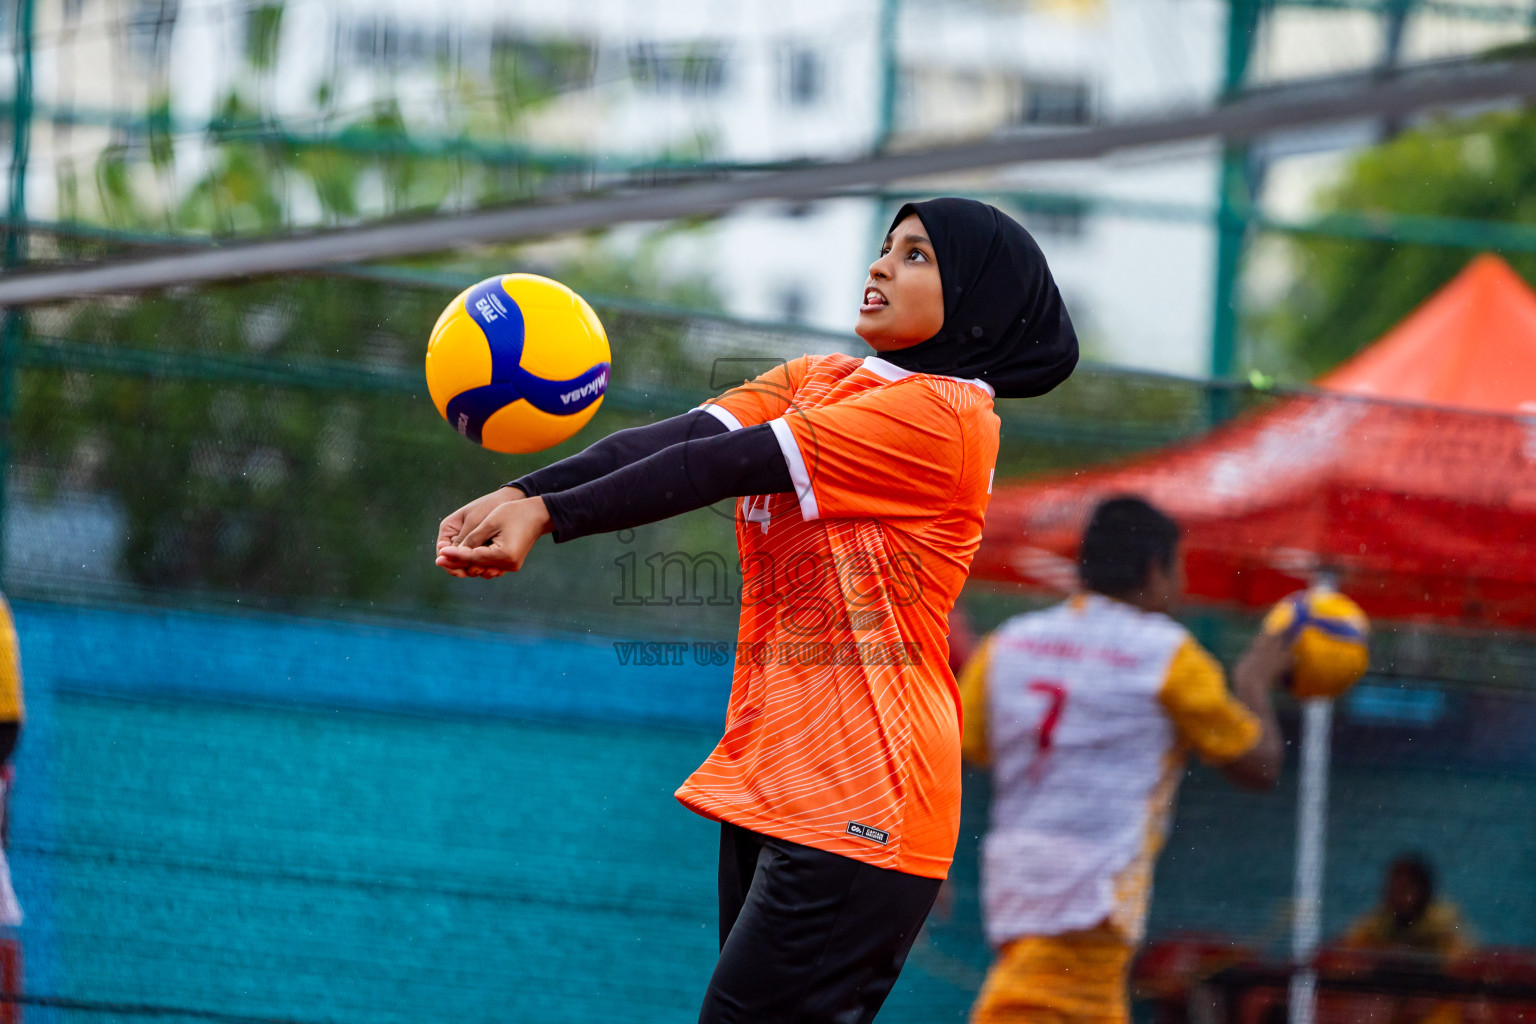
pixel 518 363
pixel 1329 637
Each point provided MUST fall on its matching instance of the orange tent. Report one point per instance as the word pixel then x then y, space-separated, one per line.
pixel 1410 475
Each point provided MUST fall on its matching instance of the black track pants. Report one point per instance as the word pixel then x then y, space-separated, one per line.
pixel 808 937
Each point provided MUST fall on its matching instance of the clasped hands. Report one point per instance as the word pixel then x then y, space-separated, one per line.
pixel 492 534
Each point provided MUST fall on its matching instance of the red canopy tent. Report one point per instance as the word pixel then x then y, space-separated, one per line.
pixel 1410 475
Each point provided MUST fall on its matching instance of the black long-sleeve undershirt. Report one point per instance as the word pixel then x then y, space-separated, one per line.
pixel 617 450
pixel 679 478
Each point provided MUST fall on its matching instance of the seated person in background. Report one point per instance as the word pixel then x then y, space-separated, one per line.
pixel 1410 923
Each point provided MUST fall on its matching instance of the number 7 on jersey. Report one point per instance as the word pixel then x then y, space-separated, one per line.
pixel 1056 696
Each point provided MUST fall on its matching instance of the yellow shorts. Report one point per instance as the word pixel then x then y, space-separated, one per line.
pixel 1073 978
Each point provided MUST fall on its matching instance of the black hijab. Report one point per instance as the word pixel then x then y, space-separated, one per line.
pixel 1004 320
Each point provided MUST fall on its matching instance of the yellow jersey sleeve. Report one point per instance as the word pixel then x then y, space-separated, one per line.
pixel 1209 719
pixel 11 709
pixel 973 706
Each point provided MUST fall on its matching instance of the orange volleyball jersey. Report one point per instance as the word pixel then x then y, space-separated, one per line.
pixel 843 730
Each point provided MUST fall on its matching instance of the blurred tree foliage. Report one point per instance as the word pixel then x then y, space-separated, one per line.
pixel 1346 293
pixel 327 492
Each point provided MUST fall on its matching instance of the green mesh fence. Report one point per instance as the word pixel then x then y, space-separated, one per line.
pixel 274 440
pixel 279 767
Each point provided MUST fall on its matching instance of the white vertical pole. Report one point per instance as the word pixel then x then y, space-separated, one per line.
pixel 1311 835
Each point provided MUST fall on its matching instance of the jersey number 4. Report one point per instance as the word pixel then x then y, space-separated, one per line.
pixel 1056 698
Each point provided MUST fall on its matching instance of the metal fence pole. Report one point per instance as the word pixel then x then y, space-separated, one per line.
pixel 15 241
pixel 890 75
pixel 1233 192
pixel 1311 839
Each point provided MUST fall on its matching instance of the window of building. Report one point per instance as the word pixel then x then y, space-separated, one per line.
pixel 694 69
pixel 534 68
pixel 1063 218
pixel 1057 103
pixel 147 30
pixel 372 42
pixel 415 45
pixel 803 76
pixel 794 303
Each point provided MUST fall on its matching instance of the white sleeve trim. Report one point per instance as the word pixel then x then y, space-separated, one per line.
pixel 797 472
pixel 722 414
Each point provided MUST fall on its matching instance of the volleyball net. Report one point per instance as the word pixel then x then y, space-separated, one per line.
pixel 278 766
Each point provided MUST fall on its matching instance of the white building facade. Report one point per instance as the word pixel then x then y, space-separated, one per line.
pixel 728 82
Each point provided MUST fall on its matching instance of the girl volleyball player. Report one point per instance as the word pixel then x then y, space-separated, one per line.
pixel 864 483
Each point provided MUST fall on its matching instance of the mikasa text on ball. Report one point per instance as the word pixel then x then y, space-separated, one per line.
pixel 518 363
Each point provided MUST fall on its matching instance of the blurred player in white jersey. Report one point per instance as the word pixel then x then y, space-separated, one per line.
pixel 1085 713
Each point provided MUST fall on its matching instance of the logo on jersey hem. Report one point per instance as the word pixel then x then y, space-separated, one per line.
pixel 865 832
